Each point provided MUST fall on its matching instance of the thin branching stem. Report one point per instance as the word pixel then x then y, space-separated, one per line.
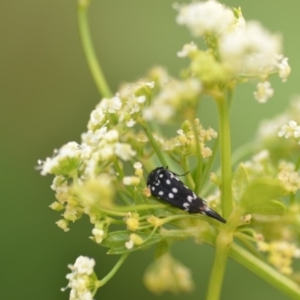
pixel 89 52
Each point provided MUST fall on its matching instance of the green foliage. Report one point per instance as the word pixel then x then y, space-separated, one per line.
pixel 116 240
pixel 259 197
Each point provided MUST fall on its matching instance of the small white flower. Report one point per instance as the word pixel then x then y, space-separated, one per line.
pixel 97 117
pixel 150 84
pixel 292 129
pixel 129 245
pixel 137 165
pixel 111 136
pixel 111 105
pixel 86 296
pixel 187 50
pixel 83 265
pixel 131 180
pixel 106 153
pixel 130 123
pixel 63 224
pixel 283 67
pixel 263 91
pixel 98 235
pixel 141 99
pixel 124 151
pixel 98 134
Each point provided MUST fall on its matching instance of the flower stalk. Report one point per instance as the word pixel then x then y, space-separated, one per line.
pixel 89 51
pixel 225 152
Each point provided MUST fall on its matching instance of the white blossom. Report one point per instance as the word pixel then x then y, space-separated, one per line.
pixel 131 180
pixel 66 159
pixel 292 129
pixel 80 278
pixel 171 98
pixel 111 105
pixel 111 136
pixel 283 67
pixel 98 235
pixel 187 49
pixel 263 91
pixel 130 123
pixel 124 151
pixel 252 51
pixel 141 99
pixel 203 18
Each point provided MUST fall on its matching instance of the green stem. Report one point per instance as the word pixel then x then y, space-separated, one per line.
pixel 225 151
pixel 223 245
pixel 258 267
pixel 199 159
pixel 186 169
pixel 208 165
pixel 113 270
pixel 89 51
pixel 297 164
pixel 121 211
pixel 153 143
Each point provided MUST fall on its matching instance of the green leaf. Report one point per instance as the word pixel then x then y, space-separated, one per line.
pixel 259 197
pixel 116 240
pixel 240 181
pixel 273 207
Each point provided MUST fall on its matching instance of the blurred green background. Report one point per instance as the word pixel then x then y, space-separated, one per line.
pixel 47 95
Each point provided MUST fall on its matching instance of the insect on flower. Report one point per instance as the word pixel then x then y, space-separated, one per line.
pixel 165 185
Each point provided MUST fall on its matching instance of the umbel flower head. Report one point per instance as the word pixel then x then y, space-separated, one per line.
pixel 82 280
pixel 168 274
pixel 237 49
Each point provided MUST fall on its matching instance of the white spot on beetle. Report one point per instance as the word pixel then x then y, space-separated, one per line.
pixel 160 193
pixel 189 198
pixel 174 190
pixel 171 195
pixel 186 206
pixel 168 181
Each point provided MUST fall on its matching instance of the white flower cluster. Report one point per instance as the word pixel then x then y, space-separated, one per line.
pixel 289 177
pixel 81 279
pixel 205 18
pixel 245 50
pixel 264 91
pixel 100 144
pixel 65 161
pixel 170 101
pixel 280 254
pixel 123 107
pixel 285 125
